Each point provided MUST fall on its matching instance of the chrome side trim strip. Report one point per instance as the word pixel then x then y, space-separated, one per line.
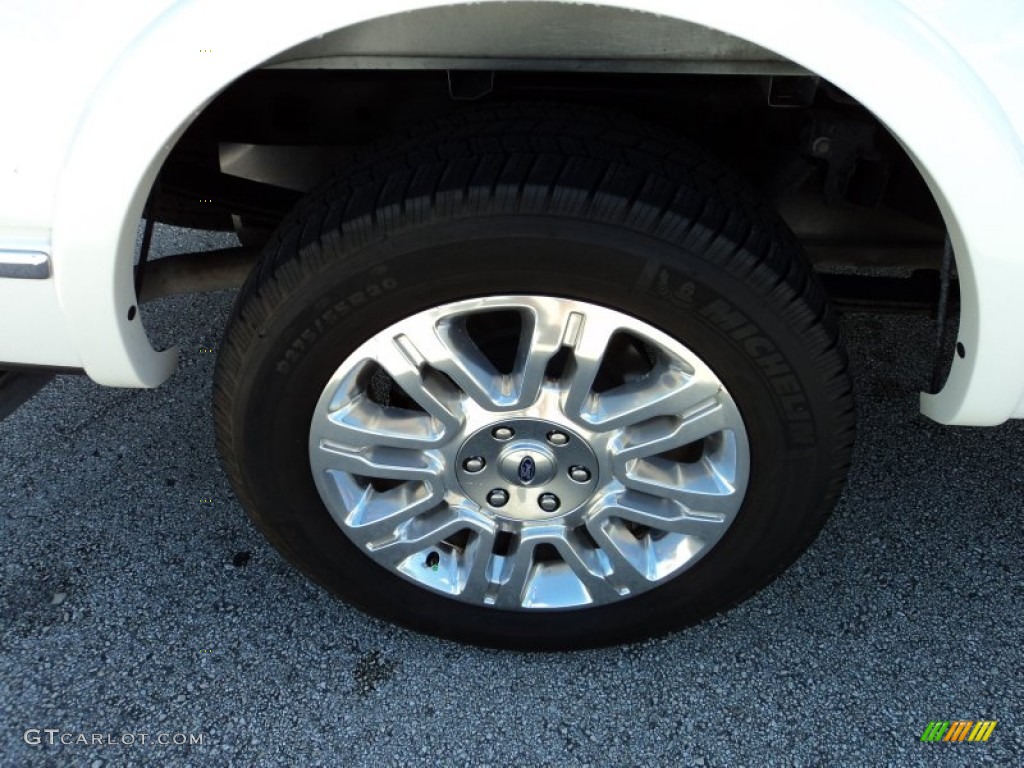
pixel 27 265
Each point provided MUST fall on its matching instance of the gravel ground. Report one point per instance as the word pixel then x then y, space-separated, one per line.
pixel 137 599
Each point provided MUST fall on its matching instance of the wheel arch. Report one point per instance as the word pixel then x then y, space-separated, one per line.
pixel 928 84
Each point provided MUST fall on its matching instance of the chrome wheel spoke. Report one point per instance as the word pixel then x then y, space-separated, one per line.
pixel 629 560
pixel 546 329
pixel 475 582
pixel 515 573
pixel 421 532
pixel 698 487
pixel 663 515
pixel 365 423
pixel 384 463
pixel 664 391
pixel 588 566
pixel 529 582
pixel 402 361
pixel 446 346
pixel 587 338
pixel 664 433
pixel 376 516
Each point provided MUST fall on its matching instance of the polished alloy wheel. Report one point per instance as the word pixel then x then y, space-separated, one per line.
pixel 529 452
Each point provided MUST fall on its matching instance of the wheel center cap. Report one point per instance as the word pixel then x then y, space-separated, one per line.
pixel 527 469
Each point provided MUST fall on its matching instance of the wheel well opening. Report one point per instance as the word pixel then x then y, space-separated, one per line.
pixel 840 180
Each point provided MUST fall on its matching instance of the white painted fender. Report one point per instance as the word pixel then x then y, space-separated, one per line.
pixel 881 52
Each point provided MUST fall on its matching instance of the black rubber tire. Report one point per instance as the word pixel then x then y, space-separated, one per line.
pixel 558 201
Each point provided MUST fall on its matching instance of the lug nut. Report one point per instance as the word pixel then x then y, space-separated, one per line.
pixel 549 502
pixel 503 433
pixel 474 464
pixel 558 438
pixel 497 498
pixel 579 474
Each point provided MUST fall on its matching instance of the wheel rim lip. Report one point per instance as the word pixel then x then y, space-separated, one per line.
pixel 444 457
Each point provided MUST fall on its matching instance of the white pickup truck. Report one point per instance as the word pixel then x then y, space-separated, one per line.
pixel 536 342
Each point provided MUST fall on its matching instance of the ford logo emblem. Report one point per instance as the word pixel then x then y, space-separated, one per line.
pixel 527 470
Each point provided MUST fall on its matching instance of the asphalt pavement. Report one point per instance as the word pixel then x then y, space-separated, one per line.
pixel 143 614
